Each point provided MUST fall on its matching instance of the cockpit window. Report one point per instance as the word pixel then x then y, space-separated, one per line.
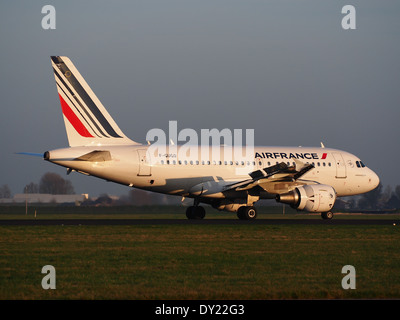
pixel 360 164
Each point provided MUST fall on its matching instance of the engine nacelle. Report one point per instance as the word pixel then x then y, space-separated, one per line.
pixel 311 198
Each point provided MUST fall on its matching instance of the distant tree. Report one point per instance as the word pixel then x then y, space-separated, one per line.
pixel 385 197
pixel 5 191
pixel 103 200
pixel 31 188
pixel 140 197
pixel 397 192
pixel 394 201
pixel 371 200
pixel 54 184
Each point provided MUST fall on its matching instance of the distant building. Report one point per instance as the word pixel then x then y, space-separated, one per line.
pixel 77 199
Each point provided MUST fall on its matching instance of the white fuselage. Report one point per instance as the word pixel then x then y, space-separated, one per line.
pixel 196 175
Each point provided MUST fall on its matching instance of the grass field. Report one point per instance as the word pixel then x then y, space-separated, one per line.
pixel 200 261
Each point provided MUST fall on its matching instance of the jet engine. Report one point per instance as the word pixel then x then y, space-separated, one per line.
pixel 311 198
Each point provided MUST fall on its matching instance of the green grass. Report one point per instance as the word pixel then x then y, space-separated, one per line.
pixel 199 261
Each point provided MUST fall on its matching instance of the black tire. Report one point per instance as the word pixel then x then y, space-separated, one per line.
pixel 200 212
pixel 240 213
pixel 247 213
pixel 194 212
pixel 327 215
pixel 189 213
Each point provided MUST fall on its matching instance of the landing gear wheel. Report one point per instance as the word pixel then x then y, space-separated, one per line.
pixel 247 213
pixel 195 212
pixel 327 215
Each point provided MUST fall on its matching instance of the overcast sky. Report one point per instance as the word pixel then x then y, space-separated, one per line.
pixel 286 69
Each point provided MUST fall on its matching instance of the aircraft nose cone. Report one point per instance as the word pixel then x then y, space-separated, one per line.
pixel 374 180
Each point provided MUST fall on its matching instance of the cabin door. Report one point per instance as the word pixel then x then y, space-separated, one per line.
pixel 144 163
pixel 340 165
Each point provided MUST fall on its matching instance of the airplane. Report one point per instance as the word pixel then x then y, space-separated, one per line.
pixel 308 179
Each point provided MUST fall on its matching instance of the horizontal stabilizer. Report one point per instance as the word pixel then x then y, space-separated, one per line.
pixel 96 156
pixel 31 154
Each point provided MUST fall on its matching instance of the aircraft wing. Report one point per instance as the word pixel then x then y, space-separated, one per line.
pixel 277 173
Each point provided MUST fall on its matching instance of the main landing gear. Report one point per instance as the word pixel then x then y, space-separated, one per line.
pixel 247 213
pixel 195 212
pixel 327 215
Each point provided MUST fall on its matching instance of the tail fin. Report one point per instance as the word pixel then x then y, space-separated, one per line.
pixel 86 120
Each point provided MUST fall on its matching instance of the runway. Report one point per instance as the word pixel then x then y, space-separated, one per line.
pixel 126 222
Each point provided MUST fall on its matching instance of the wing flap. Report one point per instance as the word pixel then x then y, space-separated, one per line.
pixel 263 177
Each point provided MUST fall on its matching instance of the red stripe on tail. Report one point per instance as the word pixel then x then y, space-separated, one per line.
pixel 73 119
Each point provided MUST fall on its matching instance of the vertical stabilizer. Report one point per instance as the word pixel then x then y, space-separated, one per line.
pixel 86 120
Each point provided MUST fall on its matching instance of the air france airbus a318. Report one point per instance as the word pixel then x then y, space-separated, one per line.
pixel 308 179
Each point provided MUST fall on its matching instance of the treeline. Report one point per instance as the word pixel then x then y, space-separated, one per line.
pixel 53 183
pixel 50 183
pixel 135 197
pixel 379 199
